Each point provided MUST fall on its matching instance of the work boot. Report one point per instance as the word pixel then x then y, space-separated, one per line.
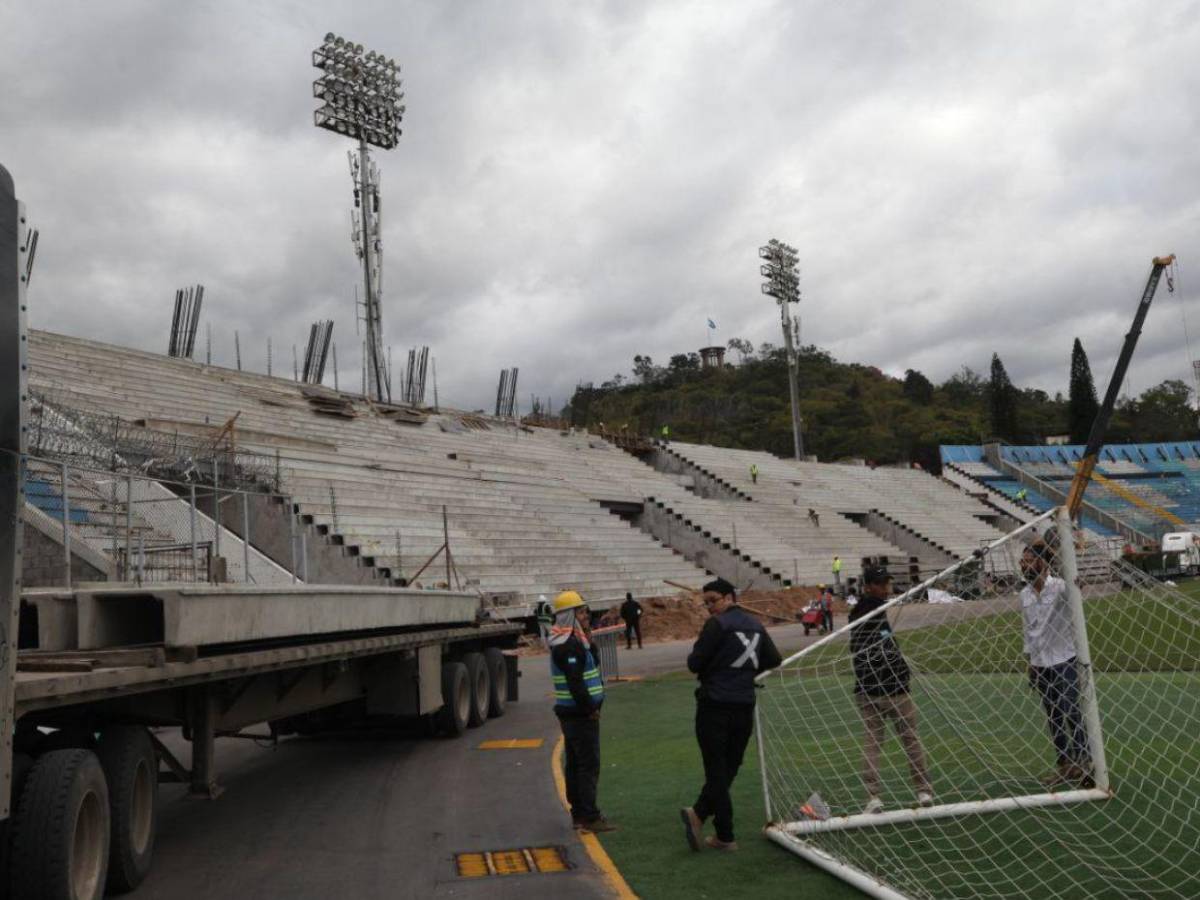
pixel 716 843
pixel 692 827
pixel 598 825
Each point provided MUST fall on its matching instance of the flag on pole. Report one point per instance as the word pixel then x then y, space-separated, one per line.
pixel 712 324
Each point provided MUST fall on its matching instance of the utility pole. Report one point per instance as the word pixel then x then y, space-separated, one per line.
pixel 782 273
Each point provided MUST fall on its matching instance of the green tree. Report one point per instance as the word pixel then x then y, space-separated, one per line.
pixel 917 387
pixel 1164 413
pixel 1082 405
pixel 1002 403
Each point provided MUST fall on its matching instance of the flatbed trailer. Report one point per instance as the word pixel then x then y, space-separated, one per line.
pixel 89 723
pixel 90 678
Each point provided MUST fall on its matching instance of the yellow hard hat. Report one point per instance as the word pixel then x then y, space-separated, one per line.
pixel 567 600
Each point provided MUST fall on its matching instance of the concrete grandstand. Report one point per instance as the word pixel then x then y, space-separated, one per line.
pixel 530 511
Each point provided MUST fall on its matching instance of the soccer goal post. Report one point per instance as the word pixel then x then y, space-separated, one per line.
pixel 1026 722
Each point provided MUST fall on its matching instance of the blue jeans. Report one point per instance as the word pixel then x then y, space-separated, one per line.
pixel 1059 689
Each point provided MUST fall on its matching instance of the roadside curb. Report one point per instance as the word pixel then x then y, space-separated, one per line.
pixel 595 850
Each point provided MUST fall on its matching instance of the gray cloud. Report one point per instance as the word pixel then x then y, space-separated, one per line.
pixel 579 183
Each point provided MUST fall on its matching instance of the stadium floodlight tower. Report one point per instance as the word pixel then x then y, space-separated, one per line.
pixel 782 273
pixel 361 99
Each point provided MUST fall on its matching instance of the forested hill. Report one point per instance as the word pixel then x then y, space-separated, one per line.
pixel 855 411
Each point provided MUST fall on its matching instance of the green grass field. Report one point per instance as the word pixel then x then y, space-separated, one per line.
pixel 1141 842
pixel 651 769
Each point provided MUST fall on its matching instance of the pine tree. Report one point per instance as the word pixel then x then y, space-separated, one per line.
pixel 1002 397
pixel 1082 405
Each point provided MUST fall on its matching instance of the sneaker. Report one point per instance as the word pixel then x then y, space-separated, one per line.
pixel 598 825
pixel 692 827
pixel 924 798
pixel 874 805
pixel 717 844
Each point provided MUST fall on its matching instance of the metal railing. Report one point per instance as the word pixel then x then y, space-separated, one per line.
pixel 178 562
pixel 88 523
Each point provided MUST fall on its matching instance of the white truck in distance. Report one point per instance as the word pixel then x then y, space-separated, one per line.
pixel 1187 545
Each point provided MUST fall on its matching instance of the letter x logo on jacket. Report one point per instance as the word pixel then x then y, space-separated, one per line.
pixel 750 654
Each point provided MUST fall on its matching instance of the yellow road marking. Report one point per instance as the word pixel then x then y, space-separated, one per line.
pixel 513 744
pixel 595 850
pixel 523 861
pixel 472 865
pixel 548 859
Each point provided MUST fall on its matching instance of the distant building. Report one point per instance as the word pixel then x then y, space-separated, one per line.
pixel 712 357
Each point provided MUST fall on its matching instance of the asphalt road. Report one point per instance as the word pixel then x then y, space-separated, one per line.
pixel 372 815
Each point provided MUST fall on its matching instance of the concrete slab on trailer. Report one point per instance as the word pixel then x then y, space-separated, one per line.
pixel 191 615
pixel 48 690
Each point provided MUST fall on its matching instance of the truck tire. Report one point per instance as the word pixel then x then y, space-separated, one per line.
pixel 21 764
pixel 452 718
pixel 481 687
pixel 60 840
pixel 498 672
pixel 130 766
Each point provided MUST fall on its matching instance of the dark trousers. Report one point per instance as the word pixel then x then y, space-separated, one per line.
pixel 827 619
pixel 581 766
pixel 1059 689
pixel 722 733
pixel 633 627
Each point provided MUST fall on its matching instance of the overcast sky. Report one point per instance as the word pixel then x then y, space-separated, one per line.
pixel 580 182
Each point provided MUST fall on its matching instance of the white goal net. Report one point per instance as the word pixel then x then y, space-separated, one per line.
pixel 1026 723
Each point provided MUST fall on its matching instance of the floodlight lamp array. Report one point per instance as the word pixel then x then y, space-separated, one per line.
pixel 360 93
pixel 780 271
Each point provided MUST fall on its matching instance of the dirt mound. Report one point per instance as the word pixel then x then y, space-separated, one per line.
pixel 681 616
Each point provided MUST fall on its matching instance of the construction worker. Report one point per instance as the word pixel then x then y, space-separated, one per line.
pixel 732 648
pixel 1022 494
pixel 578 696
pixel 826 610
pixel 837 572
pixel 754 473
pixel 631 613
pixel 666 433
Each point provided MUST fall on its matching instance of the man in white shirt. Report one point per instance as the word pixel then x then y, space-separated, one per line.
pixel 1050 652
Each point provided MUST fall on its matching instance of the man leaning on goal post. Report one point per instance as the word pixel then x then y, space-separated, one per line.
pixel 1053 674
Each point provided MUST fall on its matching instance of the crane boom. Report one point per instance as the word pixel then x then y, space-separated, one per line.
pixel 1095 442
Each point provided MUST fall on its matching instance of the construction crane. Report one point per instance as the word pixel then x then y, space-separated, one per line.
pixel 1095 441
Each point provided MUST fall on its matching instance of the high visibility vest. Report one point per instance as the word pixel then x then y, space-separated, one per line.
pixel 591 680
pixel 837 565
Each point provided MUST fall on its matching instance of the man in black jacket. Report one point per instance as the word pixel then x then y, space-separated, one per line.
pixel 732 648
pixel 881 689
pixel 631 612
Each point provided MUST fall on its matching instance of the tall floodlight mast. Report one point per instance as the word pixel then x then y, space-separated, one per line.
pixel 782 273
pixel 361 99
